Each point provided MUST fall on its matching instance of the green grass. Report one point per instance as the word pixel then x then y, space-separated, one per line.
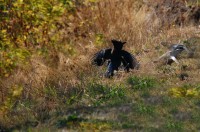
pixel 145 110
pixel 72 121
pixel 141 83
pixel 140 103
pixel 46 75
pixel 173 126
pixel 104 94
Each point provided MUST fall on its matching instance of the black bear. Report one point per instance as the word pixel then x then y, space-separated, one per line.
pixel 115 57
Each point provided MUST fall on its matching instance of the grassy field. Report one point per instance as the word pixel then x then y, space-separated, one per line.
pixel 55 87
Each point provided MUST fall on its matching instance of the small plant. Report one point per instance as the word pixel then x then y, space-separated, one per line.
pixel 175 126
pixel 70 121
pixel 12 99
pixel 140 83
pixel 145 109
pixel 184 92
pixel 169 101
pixel 101 94
pixel 95 126
pixel 99 39
pixel 196 117
pixel 50 91
pixel 129 125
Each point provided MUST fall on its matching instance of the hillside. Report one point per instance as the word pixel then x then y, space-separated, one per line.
pixel 47 82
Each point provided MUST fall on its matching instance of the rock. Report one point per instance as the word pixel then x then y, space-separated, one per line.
pixel 183 76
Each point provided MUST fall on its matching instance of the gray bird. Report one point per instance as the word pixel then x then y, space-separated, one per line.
pixel 174 51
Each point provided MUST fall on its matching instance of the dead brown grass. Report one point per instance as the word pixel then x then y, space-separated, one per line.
pixel 126 20
pixel 115 19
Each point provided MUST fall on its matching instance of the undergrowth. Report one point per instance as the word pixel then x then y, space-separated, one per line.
pixel 45 70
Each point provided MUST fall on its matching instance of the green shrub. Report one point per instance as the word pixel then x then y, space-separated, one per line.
pixel 30 26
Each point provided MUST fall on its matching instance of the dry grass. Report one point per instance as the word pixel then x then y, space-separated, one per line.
pixel 114 19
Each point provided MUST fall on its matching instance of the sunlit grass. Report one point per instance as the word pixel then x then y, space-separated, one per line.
pixel 53 90
pixel 142 83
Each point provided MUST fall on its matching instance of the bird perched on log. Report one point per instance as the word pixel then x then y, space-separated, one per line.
pixel 171 56
pixel 115 57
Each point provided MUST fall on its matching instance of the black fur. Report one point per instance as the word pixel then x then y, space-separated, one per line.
pixel 116 57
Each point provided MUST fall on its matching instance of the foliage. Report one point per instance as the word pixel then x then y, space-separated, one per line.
pixel 140 83
pixel 28 26
pixel 184 92
pixel 12 58
pixel 99 39
pixel 98 126
pixel 64 98
pixel 73 121
pixel 100 94
pixel 145 109
pixel 70 121
pixel 175 126
pixel 44 28
pixel 12 99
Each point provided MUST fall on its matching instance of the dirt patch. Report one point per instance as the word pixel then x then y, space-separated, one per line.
pixel 172 12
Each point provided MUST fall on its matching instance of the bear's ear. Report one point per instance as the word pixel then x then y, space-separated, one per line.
pixel 116 41
pixel 113 41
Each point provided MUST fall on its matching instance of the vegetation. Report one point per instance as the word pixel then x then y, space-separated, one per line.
pixel 48 84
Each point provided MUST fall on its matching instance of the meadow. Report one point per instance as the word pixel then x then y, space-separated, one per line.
pixel 47 82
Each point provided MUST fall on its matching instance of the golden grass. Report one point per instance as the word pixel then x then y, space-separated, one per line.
pixel 115 19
